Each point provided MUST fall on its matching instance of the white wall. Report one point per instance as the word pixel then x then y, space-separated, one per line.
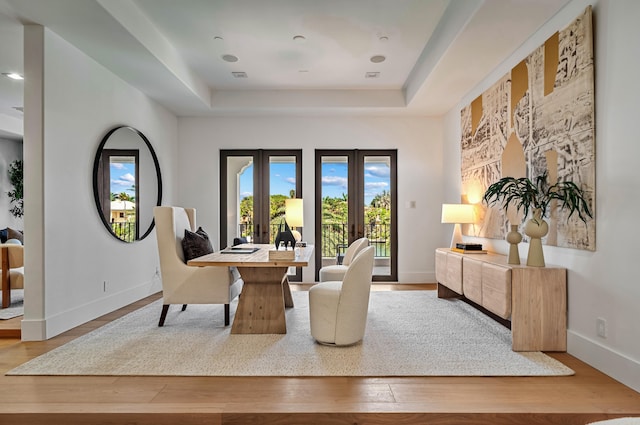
pixel 80 101
pixel 417 139
pixel 604 283
pixel 10 150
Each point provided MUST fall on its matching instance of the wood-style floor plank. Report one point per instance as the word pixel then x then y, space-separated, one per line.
pixel 587 396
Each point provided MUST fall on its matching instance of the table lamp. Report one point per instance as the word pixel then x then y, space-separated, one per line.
pixel 458 214
pixel 293 215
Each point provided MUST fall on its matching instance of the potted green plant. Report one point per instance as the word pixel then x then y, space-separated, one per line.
pixel 16 195
pixel 536 196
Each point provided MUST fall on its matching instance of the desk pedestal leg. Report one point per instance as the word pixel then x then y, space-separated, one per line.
pixel 261 306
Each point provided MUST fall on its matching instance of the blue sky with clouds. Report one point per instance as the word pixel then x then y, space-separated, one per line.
pixel 123 177
pixel 334 179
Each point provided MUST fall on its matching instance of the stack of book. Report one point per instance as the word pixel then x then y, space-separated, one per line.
pixel 469 248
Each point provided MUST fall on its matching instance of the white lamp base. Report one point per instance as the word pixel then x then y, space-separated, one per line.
pixel 457 235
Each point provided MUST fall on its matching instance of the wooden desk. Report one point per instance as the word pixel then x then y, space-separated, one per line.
pixel 266 292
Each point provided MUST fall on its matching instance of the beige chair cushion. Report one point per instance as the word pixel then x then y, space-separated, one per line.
pixel 337 271
pixel 338 309
pixel 183 284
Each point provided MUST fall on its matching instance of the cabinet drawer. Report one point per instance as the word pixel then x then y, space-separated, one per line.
pixel 472 279
pixel 496 289
pixel 453 278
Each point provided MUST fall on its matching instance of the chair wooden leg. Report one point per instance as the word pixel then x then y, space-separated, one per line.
pixel 163 314
pixel 226 314
pixel 184 307
pixel 6 278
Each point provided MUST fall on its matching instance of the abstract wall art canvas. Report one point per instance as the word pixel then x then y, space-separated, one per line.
pixel 538 118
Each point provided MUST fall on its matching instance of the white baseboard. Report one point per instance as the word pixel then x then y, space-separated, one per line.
pixel 33 330
pixel 42 329
pixel 417 277
pixel 617 365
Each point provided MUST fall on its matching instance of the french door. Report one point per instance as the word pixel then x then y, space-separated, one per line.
pixel 356 196
pixel 253 187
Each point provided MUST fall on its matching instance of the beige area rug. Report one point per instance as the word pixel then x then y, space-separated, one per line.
pixel 16 308
pixel 409 333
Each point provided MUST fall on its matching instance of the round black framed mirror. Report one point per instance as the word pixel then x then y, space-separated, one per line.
pixel 127 183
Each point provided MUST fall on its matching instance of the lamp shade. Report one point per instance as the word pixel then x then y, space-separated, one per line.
pixel 458 213
pixel 293 212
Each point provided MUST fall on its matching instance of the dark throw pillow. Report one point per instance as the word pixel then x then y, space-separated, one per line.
pixel 15 234
pixel 238 241
pixel 3 235
pixel 196 244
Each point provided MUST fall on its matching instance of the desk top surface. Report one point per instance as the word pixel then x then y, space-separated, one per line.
pixel 259 258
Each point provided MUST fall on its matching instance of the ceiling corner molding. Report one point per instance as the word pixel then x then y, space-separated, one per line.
pixel 454 20
pixel 138 25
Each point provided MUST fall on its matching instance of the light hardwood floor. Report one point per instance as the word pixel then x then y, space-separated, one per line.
pixel 587 396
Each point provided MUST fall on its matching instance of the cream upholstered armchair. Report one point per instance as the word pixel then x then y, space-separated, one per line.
pixel 337 271
pixel 338 309
pixel 12 270
pixel 183 284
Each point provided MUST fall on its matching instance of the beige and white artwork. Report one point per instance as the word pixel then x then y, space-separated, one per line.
pixel 539 117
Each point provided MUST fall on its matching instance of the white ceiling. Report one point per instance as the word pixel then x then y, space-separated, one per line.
pixel 435 50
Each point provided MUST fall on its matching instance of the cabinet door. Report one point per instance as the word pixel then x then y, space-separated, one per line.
pixel 454 272
pixel 539 320
pixel 472 279
pixel 496 289
pixel 441 267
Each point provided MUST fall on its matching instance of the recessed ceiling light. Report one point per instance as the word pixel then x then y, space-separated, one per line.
pixel 303 70
pixel 19 108
pixel 299 38
pixel 229 58
pixel 383 38
pixel 217 37
pixel 378 58
pixel 371 75
pixel 13 75
pixel 239 74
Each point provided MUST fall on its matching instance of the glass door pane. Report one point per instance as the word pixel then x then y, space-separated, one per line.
pixel 336 229
pixel 240 199
pixel 282 185
pixel 377 211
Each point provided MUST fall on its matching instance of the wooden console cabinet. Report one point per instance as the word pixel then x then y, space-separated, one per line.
pixel 534 299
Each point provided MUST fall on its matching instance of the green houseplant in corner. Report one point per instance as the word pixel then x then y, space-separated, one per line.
pixel 15 195
pixel 536 196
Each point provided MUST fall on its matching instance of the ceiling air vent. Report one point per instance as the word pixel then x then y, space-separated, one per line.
pixel 371 75
pixel 239 74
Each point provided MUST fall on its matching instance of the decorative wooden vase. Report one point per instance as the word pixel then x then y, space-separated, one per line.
pixel 514 238
pixel 536 228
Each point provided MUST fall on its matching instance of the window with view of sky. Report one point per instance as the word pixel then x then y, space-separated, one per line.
pixel 334 179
